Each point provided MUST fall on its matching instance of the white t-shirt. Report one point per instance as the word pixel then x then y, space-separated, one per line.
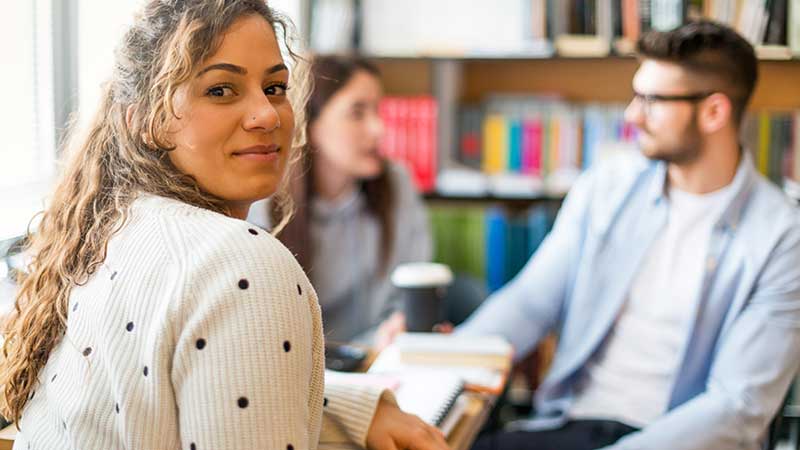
pixel 630 378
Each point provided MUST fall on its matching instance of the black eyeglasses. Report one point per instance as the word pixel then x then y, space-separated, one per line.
pixel 647 100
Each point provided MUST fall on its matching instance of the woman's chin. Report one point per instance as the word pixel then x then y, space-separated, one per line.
pixel 371 169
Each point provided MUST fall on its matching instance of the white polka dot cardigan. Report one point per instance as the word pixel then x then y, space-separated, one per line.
pixel 198 332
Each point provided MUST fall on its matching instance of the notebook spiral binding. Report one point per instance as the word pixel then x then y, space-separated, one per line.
pixel 442 412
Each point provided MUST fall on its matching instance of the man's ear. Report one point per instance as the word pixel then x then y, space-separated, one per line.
pixel 716 113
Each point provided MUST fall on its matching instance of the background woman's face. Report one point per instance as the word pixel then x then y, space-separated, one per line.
pixel 348 130
pixel 235 122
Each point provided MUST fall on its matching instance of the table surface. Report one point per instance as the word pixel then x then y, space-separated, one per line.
pixel 478 408
pixel 7 437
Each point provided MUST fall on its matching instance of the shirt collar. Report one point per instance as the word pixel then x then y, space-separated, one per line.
pixel 741 185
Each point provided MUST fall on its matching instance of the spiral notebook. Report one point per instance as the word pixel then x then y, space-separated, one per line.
pixel 430 395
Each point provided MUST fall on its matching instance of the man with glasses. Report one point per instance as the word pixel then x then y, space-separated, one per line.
pixel 672 281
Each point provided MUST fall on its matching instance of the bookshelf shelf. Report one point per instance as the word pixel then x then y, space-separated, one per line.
pixel 522 201
pixel 576 79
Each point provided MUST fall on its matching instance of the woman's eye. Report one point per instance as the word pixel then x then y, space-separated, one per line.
pixel 219 91
pixel 276 89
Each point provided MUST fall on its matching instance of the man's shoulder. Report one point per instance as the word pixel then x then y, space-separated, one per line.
pixel 613 177
pixel 769 208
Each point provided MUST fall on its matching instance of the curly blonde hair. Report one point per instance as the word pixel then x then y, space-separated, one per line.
pixel 114 161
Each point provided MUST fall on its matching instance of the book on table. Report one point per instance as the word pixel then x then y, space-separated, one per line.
pixel 483 362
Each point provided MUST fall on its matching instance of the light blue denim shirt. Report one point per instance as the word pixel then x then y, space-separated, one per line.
pixel 744 343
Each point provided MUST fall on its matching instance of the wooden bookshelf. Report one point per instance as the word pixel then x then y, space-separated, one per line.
pixel 513 203
pixel 576 79
pixel 457 81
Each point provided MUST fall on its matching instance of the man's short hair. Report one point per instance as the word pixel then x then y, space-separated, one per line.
pixel 713 52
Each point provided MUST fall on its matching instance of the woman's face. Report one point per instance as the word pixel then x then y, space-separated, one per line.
pixel 348 129
pixel 234 127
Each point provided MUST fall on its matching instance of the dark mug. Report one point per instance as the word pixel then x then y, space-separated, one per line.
pixel 424 286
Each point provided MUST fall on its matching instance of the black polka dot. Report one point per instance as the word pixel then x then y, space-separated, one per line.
pixel 54 378
pixel 129 326
pixel 64 424
pixel 253 232
pixel 87 351
pixel 325 401
pixel 243 284
pixel 116 407
pixel 192 446
pixel 287 346
pixel 200 344
pixel 299 290
pixel 145 371
pixel 113 275
pixel 290 447
pixel 243 402
pixel 75 306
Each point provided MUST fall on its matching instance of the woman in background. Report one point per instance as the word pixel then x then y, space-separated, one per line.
pixel 358 215
pixel 152 316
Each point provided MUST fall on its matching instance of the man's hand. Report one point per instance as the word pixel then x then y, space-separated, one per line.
pixel 395 325
pixel 392 429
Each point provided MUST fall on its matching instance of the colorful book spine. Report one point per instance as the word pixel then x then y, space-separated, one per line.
pixel 532 146
pixel 763 143
pixel 410 125
pixel 495 249
pixel 494 143
pixel 514 145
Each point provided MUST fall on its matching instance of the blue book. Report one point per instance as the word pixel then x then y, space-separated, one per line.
pixel 540 221
pixel 591 136
pixel 496 224
pixel 516 247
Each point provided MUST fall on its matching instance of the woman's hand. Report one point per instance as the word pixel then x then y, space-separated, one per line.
pixel 388 330
pixel 392 429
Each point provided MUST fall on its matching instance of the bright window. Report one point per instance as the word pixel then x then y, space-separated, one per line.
pixel 27 149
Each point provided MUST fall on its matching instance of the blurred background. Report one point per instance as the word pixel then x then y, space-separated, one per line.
pixel 495 107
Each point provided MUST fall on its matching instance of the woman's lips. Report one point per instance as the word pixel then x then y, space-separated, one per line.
pixel 258 153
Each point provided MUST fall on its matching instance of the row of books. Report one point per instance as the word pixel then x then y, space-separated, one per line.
pixel 544 138
pixel 539 145
pixel 772 25
pixel 490 244
pixel 596 27
pixel 774 139
pixel 537 28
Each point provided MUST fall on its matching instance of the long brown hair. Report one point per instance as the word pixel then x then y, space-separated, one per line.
pixel 112 163
pixel 329 74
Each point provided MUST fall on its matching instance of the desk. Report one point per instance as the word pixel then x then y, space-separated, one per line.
pixel 7 437
pixel 467 428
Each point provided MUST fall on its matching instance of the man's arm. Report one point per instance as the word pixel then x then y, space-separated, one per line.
pixel 530 305
pixel 756 363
